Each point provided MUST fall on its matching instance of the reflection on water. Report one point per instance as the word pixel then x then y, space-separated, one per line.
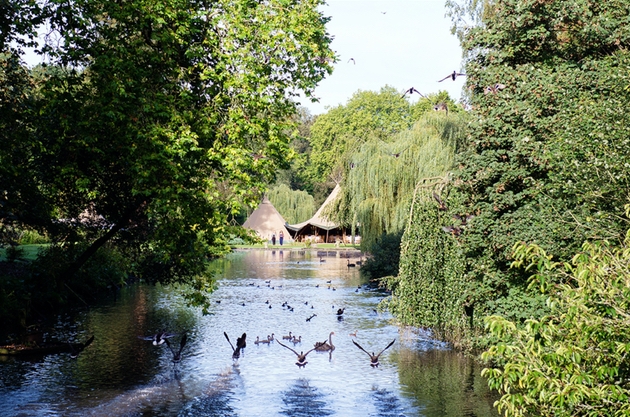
pixel 260 293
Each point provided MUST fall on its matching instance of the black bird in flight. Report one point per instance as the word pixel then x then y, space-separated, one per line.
pixel 353 61
pixel 373 357
pixel 177 356
pixel 452 76
pixel 301 357
pixel 412 90
pixel 158 338
pixel 240 344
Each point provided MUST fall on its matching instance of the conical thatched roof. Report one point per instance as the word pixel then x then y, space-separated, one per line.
pixel 319 220
pixel 266 220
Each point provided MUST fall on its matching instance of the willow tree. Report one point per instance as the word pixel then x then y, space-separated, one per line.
pixel 382 177
pixel 164 118
pixel 295 206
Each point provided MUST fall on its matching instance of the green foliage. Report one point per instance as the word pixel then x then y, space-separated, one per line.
pixel 342 129
pixel 163 118
pixel 294 206
pixel 429 290
pixel 546 160
pixel 384 257
pixel 573 361
pixel 381 178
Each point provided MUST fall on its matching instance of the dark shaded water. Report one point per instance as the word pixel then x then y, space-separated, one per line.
pixel 122 375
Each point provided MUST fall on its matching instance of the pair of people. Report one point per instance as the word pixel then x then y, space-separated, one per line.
pixel 273 238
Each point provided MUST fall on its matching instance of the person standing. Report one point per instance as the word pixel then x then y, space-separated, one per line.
pixel 273 239
pixel 281 237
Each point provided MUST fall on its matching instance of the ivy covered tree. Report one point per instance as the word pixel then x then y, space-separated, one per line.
pixel 159 120
pixel 547 154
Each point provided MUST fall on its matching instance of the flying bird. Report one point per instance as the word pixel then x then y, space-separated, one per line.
pixel 177 356
pixel 464 219
pixel 158 338
pixel 240 344
pixel 412 90
pixel 442 206
pixel 454 230
pixel 452 76
pixel 493 89
pixel 309 319
pixel 373 357
pixel 78 349
pixel 301 357
pixel 353 61
pixel 441 106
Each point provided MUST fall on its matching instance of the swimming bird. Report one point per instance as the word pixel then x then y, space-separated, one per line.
pixel 351 265
pixel 452 76
pixel 177 356
pixel 296 340
pixel 353 334
pixel 78 349
pixel 412 90
pixel 442 206
pixel 325 346
pixel 301 357
pixel 322 260
pixel 340 311
pixel 288 337
pixel 373 357
pixel 159 337
pixel 240 345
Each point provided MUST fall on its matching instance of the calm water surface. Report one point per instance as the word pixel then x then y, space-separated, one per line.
pixel 122 375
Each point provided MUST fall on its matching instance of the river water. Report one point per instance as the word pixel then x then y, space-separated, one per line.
pixel 121 374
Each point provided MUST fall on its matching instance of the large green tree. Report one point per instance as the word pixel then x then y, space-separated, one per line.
pixel 546 155
pixel 162 117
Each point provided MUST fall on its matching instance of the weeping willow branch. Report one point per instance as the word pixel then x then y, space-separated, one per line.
pixel 381 179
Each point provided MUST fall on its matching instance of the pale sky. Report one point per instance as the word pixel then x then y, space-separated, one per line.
pixel 401 43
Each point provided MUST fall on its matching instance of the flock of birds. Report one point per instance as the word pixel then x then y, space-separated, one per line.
pixel 162 337
pixel 491 89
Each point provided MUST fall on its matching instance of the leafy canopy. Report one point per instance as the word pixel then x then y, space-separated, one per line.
pixel 163 118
